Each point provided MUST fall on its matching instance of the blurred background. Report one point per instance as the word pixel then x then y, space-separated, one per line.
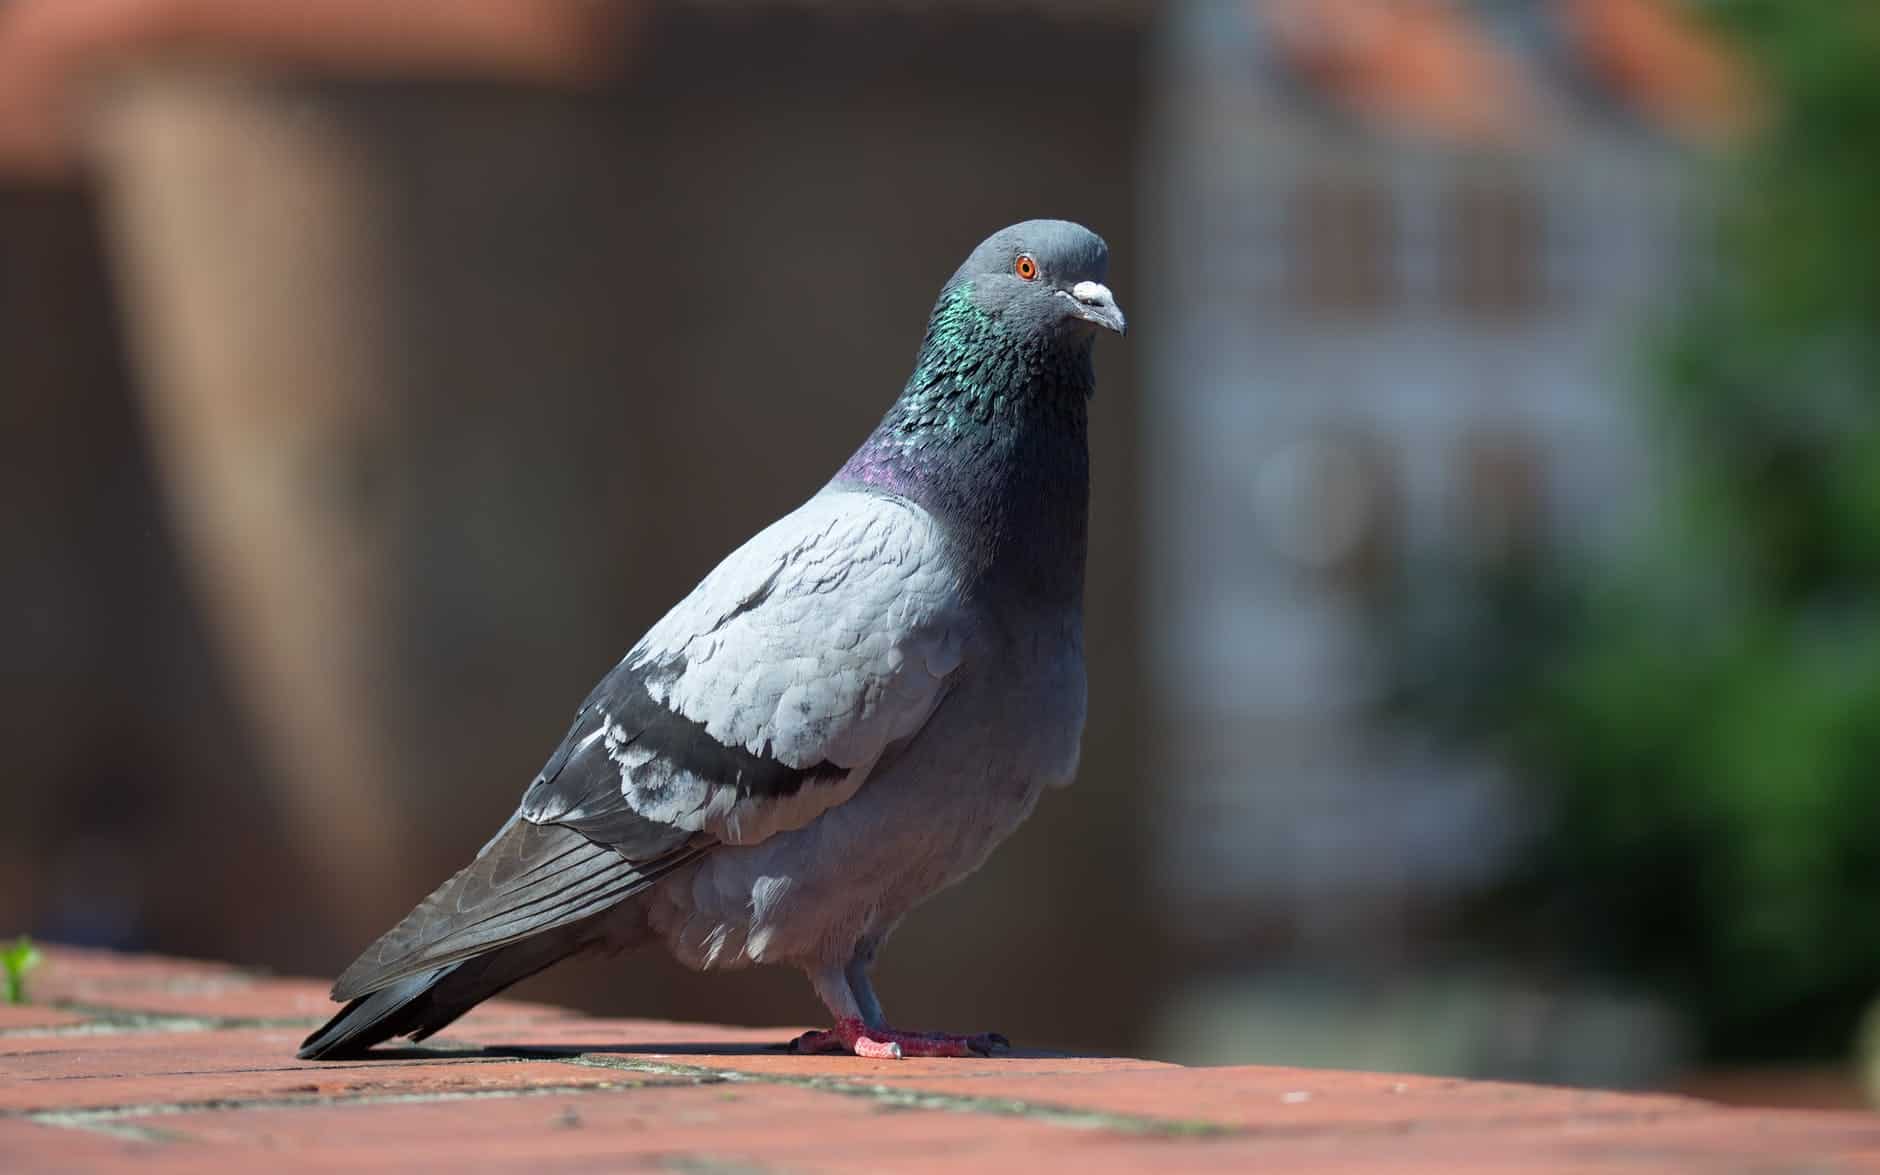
pixel 1483 635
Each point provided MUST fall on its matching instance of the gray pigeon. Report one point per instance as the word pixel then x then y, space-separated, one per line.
pixel 845 716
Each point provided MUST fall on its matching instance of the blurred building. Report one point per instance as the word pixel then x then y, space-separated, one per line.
pixel 1404 256
pixel 363 407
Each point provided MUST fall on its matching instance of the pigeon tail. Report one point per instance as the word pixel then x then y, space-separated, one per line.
pixel 530 879
pixel 419 1005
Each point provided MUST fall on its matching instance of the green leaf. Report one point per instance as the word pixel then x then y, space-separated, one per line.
pixel 18 960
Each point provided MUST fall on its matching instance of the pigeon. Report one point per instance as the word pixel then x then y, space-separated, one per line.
pixel 844 717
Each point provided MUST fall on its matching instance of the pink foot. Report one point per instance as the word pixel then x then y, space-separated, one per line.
pixel 852 1036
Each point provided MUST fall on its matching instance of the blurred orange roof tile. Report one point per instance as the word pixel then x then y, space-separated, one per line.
pixel 50 49
pixel 1422 65
pixel 1663 63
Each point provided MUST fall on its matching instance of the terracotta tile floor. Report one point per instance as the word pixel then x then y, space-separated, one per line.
pixel 131 1062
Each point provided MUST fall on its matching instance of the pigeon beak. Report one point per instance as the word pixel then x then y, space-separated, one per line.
pixel 1096 304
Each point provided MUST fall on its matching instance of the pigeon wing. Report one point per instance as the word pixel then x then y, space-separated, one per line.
pixel 762 700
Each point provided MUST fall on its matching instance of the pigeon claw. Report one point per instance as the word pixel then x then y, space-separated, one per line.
pixel 857 1039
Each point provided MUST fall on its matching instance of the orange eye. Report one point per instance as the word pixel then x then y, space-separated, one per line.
pixel 1025 267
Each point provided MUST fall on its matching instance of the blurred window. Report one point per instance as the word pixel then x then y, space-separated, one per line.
pixel 1494 248
pixel 1504 497
pixel 1344 246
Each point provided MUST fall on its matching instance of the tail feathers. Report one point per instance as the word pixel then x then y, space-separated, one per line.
pixel 530 879
pixel 419 1005
pixel 370 1019
pixel 535 894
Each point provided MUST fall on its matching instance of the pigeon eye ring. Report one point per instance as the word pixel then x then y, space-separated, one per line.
pixel 1025 267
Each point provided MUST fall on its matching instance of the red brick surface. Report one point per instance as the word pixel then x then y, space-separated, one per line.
pixel 163 1064
pixel 35 1016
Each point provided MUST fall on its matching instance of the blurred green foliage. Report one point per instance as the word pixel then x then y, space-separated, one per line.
pixel 15 962
pixel 1703 721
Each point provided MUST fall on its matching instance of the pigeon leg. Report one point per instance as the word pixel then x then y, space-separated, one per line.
pixel 851 999
pixel 861 988
pixel 852 1036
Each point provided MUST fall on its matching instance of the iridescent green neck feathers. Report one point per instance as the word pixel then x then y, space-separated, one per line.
pixel 989 434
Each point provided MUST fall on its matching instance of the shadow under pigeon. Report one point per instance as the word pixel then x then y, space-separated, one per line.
pixel 563 1052
pixel 691 1048
pixel 416 1053
pixel 722 1049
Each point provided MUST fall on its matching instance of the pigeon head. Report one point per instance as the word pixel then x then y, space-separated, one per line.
pixel 1014 324
pixel 1042 279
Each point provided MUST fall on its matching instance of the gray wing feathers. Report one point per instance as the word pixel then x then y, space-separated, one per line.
pixel 816 646
pixel 530 878
pixel 826 637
